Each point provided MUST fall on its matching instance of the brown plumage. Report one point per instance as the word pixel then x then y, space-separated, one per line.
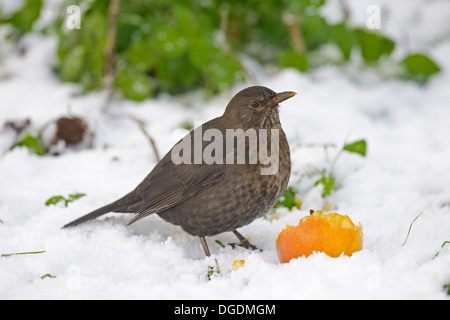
pixel 207 199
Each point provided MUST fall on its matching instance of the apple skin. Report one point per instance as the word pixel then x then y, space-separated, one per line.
pixel 332 233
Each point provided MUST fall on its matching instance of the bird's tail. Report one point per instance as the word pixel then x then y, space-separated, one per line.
pixel 94 214
pixel 124 204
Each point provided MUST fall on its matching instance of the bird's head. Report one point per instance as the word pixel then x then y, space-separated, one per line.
pixel 256 107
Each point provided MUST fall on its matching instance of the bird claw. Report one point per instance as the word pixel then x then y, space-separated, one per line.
pixel 245 244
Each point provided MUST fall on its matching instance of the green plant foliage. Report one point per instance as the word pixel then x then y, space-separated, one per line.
pixel 357 147
pixel 134 84
pixel 23 19
pixel 288 199
pixel 344 38
pixel 373 45
pixel 176 47
pixel 328 184
pixel 159 47
pixel 56 199
pixel 326 177
pixel 443 245
pixel 419 67
pixel 20 253
pixel 81 51
pixel 315 30
pixel 34 143
pixel 186 45
pixel 292 59
pixel 187 125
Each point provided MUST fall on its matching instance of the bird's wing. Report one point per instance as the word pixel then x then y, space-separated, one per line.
pixel 169 184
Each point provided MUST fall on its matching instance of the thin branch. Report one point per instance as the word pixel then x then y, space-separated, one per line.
pixel 345 9
pixel 110 48
pixel 229 49
pixel 142 127
pixel 291 22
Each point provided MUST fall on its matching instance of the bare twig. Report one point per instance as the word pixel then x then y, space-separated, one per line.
pixel 142 127
pixel 229 49
pixel 291 22
pixel 345 9
pixel 110 48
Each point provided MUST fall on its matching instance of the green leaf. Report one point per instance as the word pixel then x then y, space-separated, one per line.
pixel 171 42
pixel 210 66
pixel 419 67
pixel 72 197
pixel 76 196
pixel 34 144
pixel 71 68
pixel 357 147
pixel 140 55
pixel 200 44
pixel 410 226
pixel 443 244
pixel 373 45
pixel 55 200
pixel 48 275
pixel 210 272
pixel 219 243
pixel 79 60
pixel 20 253
pixel 344 38
pixel 188 125
pixel 291 59
pixel 287 200
pixel 315 30
pixel 25 17
pixel 328 184
pixel 133 84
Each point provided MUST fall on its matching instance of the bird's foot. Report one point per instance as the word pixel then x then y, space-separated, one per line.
pixel 243 242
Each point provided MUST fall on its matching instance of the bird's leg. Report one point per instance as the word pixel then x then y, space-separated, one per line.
pixel 205 246
pixel 244 242
pixel 206 249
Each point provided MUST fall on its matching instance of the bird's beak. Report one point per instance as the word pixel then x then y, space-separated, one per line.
pixel 280 97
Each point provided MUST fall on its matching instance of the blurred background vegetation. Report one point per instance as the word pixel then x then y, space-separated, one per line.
pixel 142 48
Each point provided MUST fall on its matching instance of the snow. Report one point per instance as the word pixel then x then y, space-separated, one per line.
pixel 406 126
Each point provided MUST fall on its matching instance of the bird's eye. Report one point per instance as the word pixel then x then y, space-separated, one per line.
pixel 254 104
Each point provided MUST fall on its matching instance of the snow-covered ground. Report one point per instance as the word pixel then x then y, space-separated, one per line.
pixel 406 172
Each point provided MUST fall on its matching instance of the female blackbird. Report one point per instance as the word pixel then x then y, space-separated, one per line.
pixel 220 185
